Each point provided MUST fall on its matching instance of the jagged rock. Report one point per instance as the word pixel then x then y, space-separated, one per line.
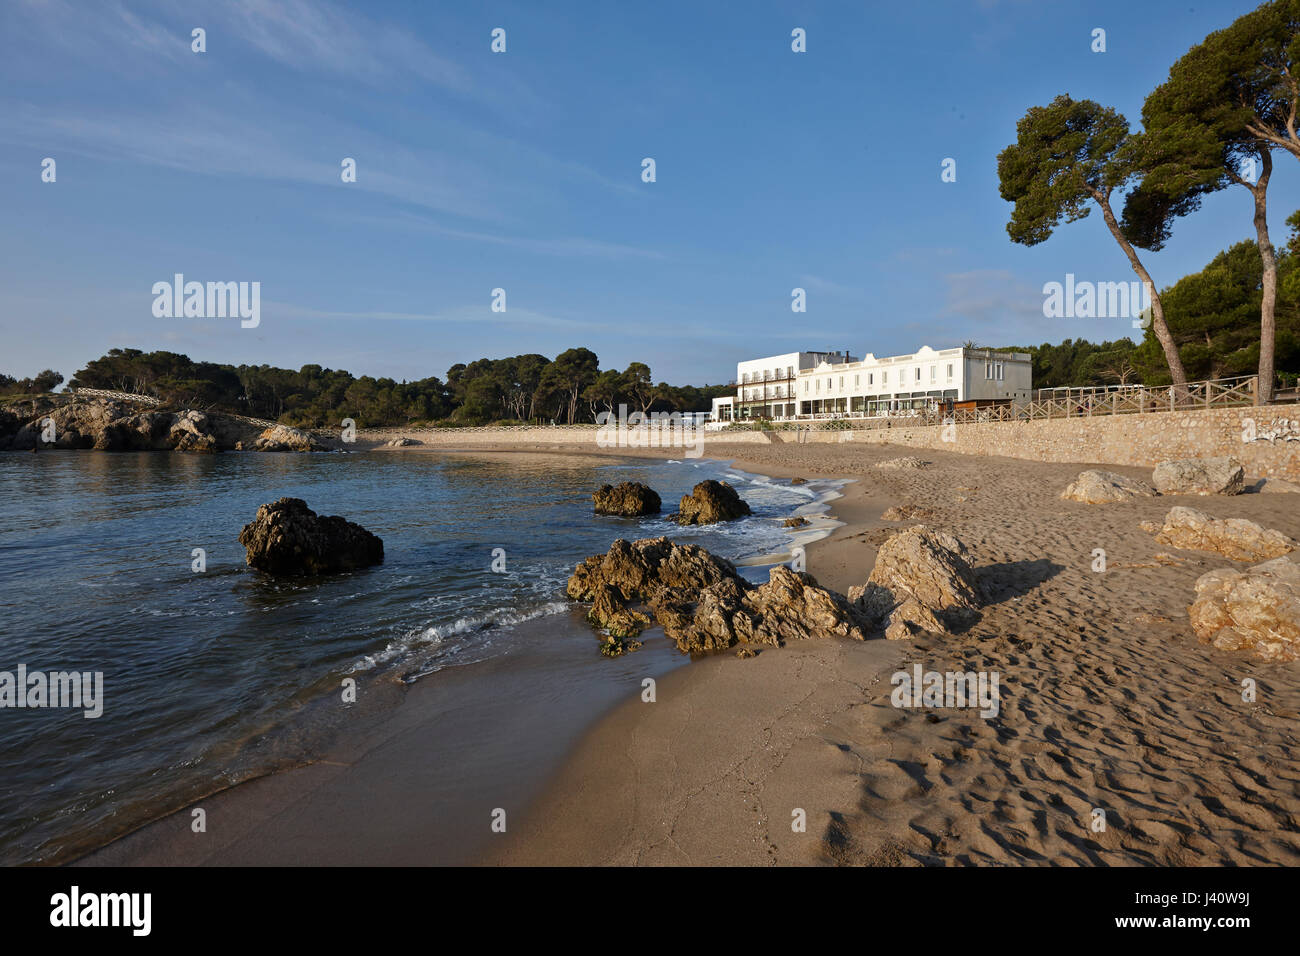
pixel 287 537
pixel 922 581
pixel 906 513
pixel 402 442
pixel 709 502
pixel 627 499
pixel 1234 538
pixel 910 461
pixel 284 438
pixel 798 481
pixel 1256 610
pixel 1274 486
pixel 702 603
pixel 798 521
pixel 106 425
pixel 1099 487
pixel 1199 476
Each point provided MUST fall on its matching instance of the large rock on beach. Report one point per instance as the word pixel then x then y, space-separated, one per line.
pixel 1235 538
pixel 1101 487
pixel 627 499
pixel 709 502
pixel 1199 476
pixel 701 602
pixel 922 581
pixel 1255 611
pixel 284 438
pixel 288 538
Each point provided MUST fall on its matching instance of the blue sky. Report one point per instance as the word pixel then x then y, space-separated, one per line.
pixel 522 171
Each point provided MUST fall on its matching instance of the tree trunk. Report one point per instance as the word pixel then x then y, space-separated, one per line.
pixel 1267 257
pixel 1158 325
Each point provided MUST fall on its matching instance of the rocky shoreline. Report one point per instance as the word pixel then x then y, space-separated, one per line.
pixel 103 424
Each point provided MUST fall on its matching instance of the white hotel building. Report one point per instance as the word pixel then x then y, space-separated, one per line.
pixel 804 385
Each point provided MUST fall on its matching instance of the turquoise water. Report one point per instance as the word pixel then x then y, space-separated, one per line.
pixel 206 673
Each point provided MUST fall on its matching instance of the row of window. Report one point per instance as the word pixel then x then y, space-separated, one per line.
pixel 884 378
pixel 766 375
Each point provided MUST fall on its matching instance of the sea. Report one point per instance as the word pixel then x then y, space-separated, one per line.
pixel 129 566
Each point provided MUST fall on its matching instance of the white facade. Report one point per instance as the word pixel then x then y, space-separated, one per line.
pixel 767 387
pixel 830 385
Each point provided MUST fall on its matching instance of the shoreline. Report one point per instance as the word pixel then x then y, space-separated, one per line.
pixel 1109 703
pixel 298 811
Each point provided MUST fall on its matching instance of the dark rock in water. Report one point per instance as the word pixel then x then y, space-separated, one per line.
pixel 709 502
pixel 289 538
pixel 798 521
pixel 701 602
pixel 798 481
pixel 628 499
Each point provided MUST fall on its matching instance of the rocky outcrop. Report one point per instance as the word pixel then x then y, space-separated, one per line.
pixel 1100 487
pixel 922 581
pixel 701 602
pixel 709 502
pixel 1255 611
pixel 1199 476
pixel 288 538
pixel 910 461
pixel 284 438
pixel 627 499
pixel 1235 538
pixel 106 425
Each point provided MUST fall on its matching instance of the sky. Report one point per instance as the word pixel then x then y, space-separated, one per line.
pixel 522 171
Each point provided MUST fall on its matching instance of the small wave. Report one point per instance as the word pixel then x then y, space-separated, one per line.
pixel 434 636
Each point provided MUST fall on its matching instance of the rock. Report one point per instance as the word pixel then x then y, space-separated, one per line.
pixel 287 537
pixel 1199 476
pixel 798 521
pixel 628 499
pixel 709 502
pixel 798 481
pixel 922 580
pixel 744 653
pixel 1099 487
pixel 908 462
pixel 1256 611
pixel 701 602
pixel 106 425
pixel 284 438
pixel 1274 486
pixel 190 431
pixel 402 442
pixel 906 513
pixel 1234 538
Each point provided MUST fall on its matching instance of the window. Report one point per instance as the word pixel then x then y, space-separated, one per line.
pixel 819 386
pixel 934 373
pixel 918 373
pixel 871 378
pixel 998 367
pixel 857 381
pixel 950 371
pixel 884 378
pixel 988 370
pixel 841 381
pixel 789 371
pixel 805 387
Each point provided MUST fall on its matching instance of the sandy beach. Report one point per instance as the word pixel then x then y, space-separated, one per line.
pixel 1108 703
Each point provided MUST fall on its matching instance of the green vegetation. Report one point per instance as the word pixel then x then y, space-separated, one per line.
pixel 521 389
pixel 1227 104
